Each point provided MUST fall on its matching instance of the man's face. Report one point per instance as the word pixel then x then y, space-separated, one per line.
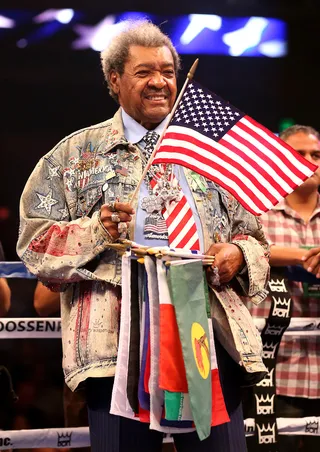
pixel 147 89
pixel 309 147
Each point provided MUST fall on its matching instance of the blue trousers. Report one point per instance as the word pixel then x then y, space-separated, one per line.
pixel 109 433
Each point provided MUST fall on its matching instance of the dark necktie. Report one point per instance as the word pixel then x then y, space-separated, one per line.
pixel 150 140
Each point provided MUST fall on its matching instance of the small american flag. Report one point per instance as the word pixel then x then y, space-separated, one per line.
pixel 218 141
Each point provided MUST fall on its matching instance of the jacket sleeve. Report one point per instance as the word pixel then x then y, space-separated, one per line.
pixel 248 235
pixel 56 248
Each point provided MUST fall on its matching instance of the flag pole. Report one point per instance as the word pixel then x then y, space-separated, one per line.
pixel 190 76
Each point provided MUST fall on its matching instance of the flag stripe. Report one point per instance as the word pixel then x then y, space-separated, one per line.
pixel 180 221
pixel 184 236
pixel 172 369
pixel 175 221
pixel 245 162
pixel 215 163
pixel 220 171
pixel 228 184
pixel 219 153
pixel 270 154
pixel 179 209
pixel 184 224
pixel 239 142
pixel 183 243
pixel 156 228
pixel 274 155
pixel 261 174
pixel 193 242
pixel 306 167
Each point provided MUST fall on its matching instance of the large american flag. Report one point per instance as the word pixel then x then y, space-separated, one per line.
pixel 218 141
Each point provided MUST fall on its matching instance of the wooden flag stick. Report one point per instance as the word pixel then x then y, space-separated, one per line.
pixel 141 250
pixel 204 262
pixel 118 246
pixel 189 77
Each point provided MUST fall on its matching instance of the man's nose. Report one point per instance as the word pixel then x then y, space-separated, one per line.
pixel 157 80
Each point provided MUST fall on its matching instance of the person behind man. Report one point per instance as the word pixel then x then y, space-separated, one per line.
pixel 5 292
pixel 74 205
pixel 47 304
pixel 289 227
pixel 5 377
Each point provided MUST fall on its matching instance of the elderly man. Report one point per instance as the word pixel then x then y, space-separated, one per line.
pixel 77 201
pixel 291 226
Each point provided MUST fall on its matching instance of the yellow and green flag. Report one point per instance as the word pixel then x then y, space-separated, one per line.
pixel 189 299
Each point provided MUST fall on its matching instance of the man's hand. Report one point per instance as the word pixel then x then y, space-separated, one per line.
pixel 111 218
pixel 228 259
pixel 311 261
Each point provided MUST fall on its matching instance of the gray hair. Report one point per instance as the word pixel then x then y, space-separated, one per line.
pixel 297 128
pixel 137 33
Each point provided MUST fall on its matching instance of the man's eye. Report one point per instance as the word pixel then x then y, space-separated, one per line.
pixel 316 156
pixel 169 73
pixel 142 73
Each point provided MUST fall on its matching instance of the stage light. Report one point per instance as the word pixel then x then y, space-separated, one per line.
pixel 273 49
pixel 195 34
pixel 104 36
pixel 6 22
pixel 4 213
pixel 285 123
pixel 247 37
pixel 64 16
pixel 199 22
pixel 22 43
pixel 97 36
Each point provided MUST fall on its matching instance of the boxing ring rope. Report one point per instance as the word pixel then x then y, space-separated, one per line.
pixel 79 436
pixel 50 328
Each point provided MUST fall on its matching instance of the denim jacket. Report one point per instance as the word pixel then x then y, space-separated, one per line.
pixel 63 242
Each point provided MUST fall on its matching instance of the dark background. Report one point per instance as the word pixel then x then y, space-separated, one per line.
pixel 48 91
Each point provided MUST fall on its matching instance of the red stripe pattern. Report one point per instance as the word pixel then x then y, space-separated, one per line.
pixel 179 220
pixel 182 229
pixel 218 141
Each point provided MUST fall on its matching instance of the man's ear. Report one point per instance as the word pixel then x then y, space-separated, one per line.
pixel 114 80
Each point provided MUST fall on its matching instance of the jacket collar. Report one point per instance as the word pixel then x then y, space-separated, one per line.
pixel 114 134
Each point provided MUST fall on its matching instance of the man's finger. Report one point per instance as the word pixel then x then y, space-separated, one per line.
pixel 118 216
pixel 124 207
pixel 310 253
pixel 316 271
pixel 118 207
pixel 312 263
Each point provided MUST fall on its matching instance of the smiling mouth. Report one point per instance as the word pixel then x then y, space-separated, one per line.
pixel 156 97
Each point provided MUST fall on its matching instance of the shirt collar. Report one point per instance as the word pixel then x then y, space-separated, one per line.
pixel 133 131
pixel 282 205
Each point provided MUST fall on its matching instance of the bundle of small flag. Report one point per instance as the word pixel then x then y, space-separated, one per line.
pixel 167 377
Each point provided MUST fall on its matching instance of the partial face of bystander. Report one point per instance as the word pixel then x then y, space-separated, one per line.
pixel 309 147
pixel 147 89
